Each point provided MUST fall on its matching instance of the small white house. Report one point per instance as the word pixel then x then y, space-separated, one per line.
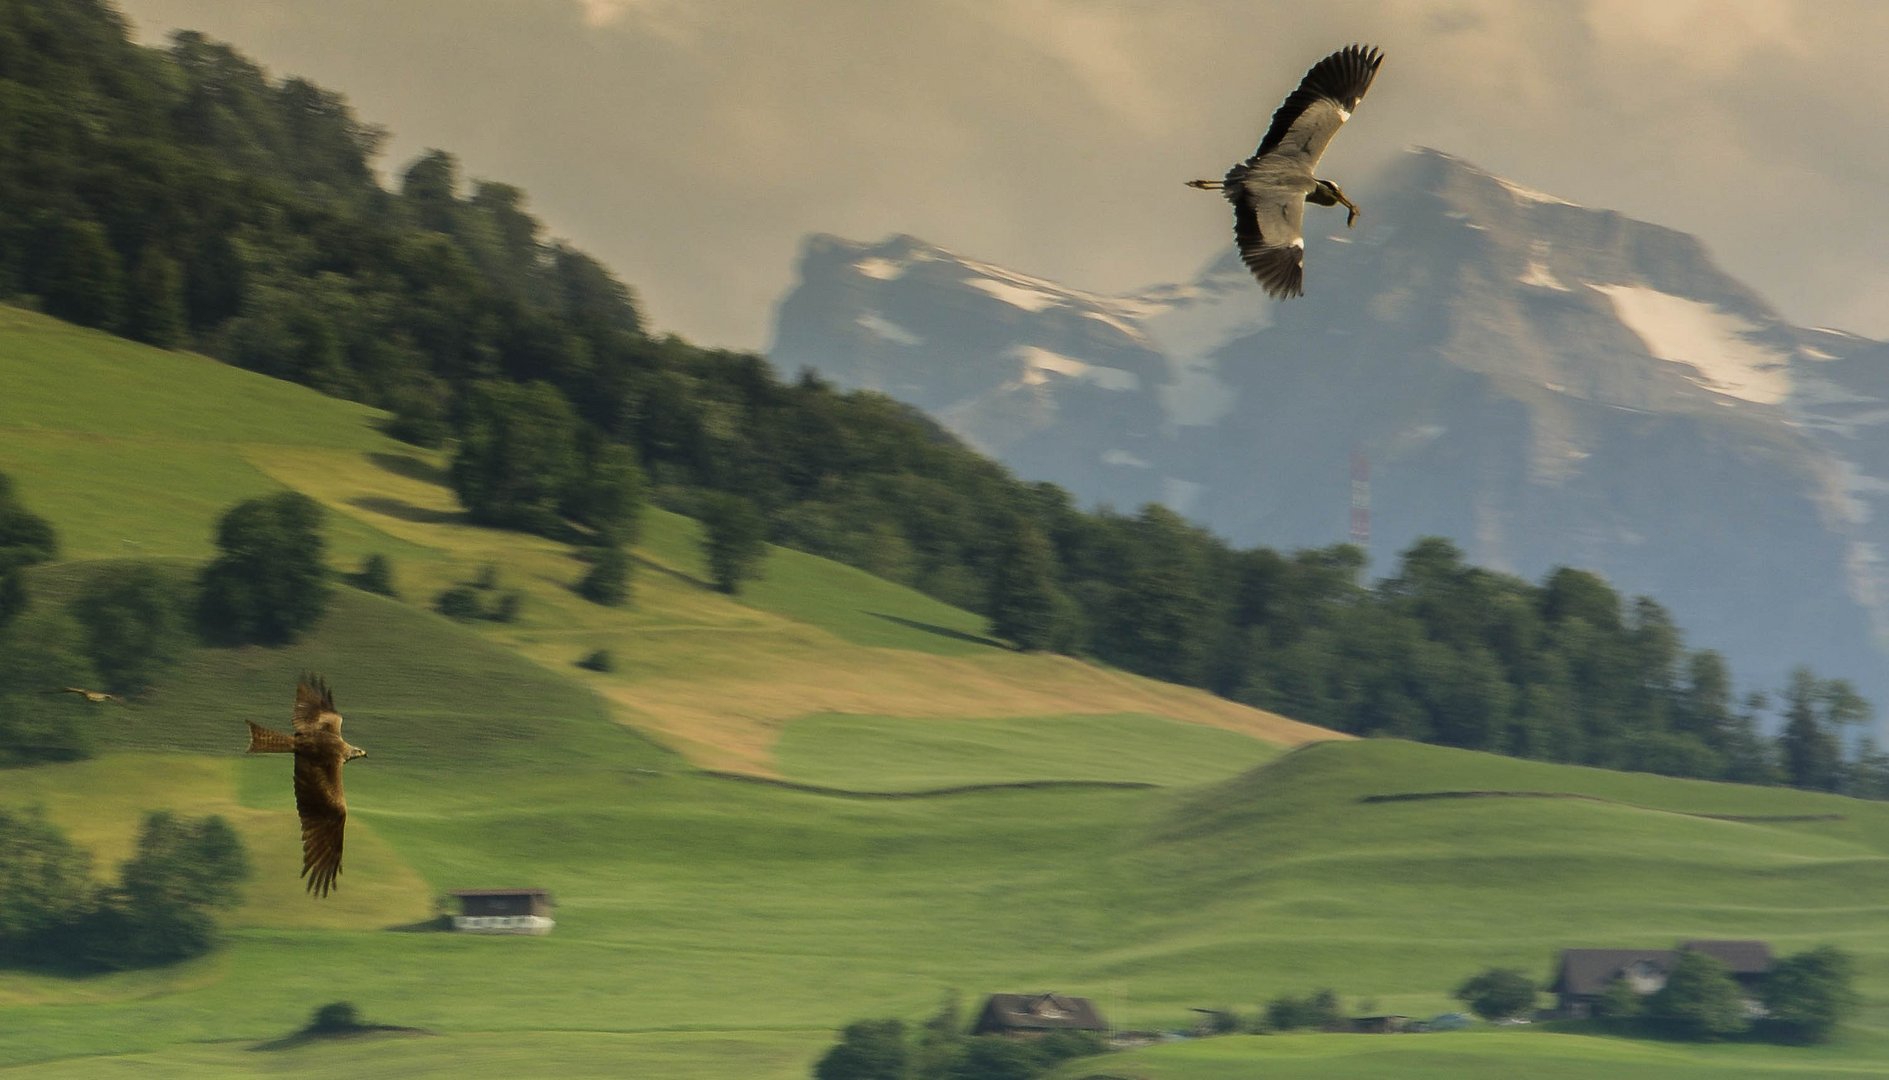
pixel 503 911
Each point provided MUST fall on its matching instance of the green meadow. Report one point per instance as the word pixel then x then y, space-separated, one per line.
pixel 713 926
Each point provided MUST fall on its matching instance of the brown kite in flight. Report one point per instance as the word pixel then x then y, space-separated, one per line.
pixel 319 751
pixel 94 696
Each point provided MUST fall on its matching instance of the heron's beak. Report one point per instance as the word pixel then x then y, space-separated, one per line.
pixel 1206 185
pixel 1351 208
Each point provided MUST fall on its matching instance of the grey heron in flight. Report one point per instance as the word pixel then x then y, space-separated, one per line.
pixel 1270 189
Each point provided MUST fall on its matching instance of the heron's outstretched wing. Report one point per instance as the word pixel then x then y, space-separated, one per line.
pixel 313 699
pixel 1268 225
pixel 1325 99
pixel 324 813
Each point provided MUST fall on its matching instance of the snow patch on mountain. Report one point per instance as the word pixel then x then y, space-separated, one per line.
pixel 1541 277
pixel 880 268
pixel 1015 295
pixel 1528 194
pixel 1713 342
pixel 883 327
pixel 1040 363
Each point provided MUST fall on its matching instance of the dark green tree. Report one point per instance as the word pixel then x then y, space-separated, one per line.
pixel 1812 755
pixel 1699 1001
pixel 45 884
pixel 377 575
pixel 1318 1011
pixel 734 538
pixel 41 650
pixel 998 1057
pixel 136 624
pixel 160 911
pixel 1498 993
pixel 336 1016
pixel 1809 994
pixel 431 187
pixel 1619 1003
pixel 459 602
pixel 517 456
pixel 868 1050
pixel 25 537
pixel 82 279
pixel 154 310
pixel 14 597
pixel 608 494
pixel 607 582
pixel 268 584
pixel 1025 605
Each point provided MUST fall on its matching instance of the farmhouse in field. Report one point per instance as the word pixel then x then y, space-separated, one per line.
pixel 1036 1014
pixel 1585 974
pixel 503 911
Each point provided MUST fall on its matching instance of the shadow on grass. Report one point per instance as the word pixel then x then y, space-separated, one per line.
pixel 306 1037
pixel 405 511
pixel 410 467
pixel 436 924
pixel 941 631
pixel 670 571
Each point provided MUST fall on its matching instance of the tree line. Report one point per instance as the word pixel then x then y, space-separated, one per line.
pixel 183 196
pixel 55 916
pixel 1801 999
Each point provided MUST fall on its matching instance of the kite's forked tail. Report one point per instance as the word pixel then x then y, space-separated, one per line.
pixel 264 741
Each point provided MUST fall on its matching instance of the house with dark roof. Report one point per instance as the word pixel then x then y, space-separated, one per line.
pixel 1585 974
pixel 1036 1014
pixel 503 911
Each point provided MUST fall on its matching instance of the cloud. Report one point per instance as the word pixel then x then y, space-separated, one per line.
pixel 1709 36
pixel 670 19
pixel 690 144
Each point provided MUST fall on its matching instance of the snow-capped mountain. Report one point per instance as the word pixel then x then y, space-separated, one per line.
pixel 1547 384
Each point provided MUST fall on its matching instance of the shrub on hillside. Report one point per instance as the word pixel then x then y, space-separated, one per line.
pixel 43 650
pixel 136 624
pixel 377 575
pixel 157 913
pixel 268 584
pixel 1498 993
pixel 459 602
pixel 608 580
pixel 1809 994
pixel 1699 1001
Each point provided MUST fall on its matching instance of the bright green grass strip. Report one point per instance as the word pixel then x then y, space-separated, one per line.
pixel 677 892
pixel 61 378
pixel 879 753
pixel 576 1055
pixel 135 451
pixel 1475 1055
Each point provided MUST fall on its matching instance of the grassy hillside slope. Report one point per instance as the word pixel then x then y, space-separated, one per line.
pixel 711 927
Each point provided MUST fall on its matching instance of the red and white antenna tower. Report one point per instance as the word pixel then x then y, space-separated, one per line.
pixel 1360 500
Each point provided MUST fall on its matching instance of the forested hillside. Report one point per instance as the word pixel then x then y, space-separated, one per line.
pixel 184 197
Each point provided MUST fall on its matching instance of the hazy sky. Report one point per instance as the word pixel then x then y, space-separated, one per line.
pixel 690 144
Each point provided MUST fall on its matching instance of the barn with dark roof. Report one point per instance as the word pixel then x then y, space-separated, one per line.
pixel 1035 1014
pixel 1585 974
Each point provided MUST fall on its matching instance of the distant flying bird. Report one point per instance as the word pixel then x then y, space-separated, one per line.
pixel 1270 189
pixel 319 751
pixel 93 696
